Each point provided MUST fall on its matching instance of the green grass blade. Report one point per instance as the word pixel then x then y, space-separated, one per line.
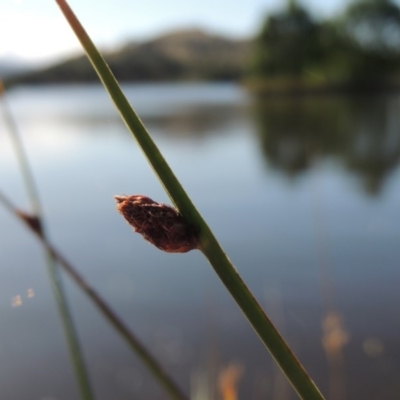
pixel 71 334
pixel 283 355
pixel 69 328
pixel 20 153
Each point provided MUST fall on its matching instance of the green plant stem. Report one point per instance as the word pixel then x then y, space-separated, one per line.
pixel 209 245
pixel 268 333
pixel 22 158
pixel 69 327
pixel 133 342
pixel 71 334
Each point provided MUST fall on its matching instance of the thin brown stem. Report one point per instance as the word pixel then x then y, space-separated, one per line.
pixel 145 356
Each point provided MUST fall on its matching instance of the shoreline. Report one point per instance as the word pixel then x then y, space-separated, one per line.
pixel 299 88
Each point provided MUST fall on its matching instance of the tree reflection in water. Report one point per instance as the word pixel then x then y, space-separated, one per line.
pixel 361 133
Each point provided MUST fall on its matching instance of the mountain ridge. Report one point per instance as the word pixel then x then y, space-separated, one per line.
pixel 191 54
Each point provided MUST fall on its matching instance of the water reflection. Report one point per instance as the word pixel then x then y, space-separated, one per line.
pixel 360 133
pixel 277 234
pixel 197 122
pixel 184 112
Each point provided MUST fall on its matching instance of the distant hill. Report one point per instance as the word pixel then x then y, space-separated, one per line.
pixel 10 66
pixel 181 55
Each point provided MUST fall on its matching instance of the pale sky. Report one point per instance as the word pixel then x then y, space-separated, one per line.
pixel 36 31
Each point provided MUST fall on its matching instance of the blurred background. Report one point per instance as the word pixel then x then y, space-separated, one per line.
pixel 282 121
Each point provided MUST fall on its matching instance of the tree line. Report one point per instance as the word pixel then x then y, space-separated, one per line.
pixel 360 46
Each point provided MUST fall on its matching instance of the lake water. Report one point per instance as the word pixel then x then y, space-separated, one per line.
pixel 303 194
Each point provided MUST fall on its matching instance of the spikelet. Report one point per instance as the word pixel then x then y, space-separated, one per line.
pixel 158 223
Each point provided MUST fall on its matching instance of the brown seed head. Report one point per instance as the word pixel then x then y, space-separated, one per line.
pixel 158 223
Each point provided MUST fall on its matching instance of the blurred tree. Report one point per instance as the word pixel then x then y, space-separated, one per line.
pixel 363 45
pixel 371 29
pixel 359 133
pixel 288 43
